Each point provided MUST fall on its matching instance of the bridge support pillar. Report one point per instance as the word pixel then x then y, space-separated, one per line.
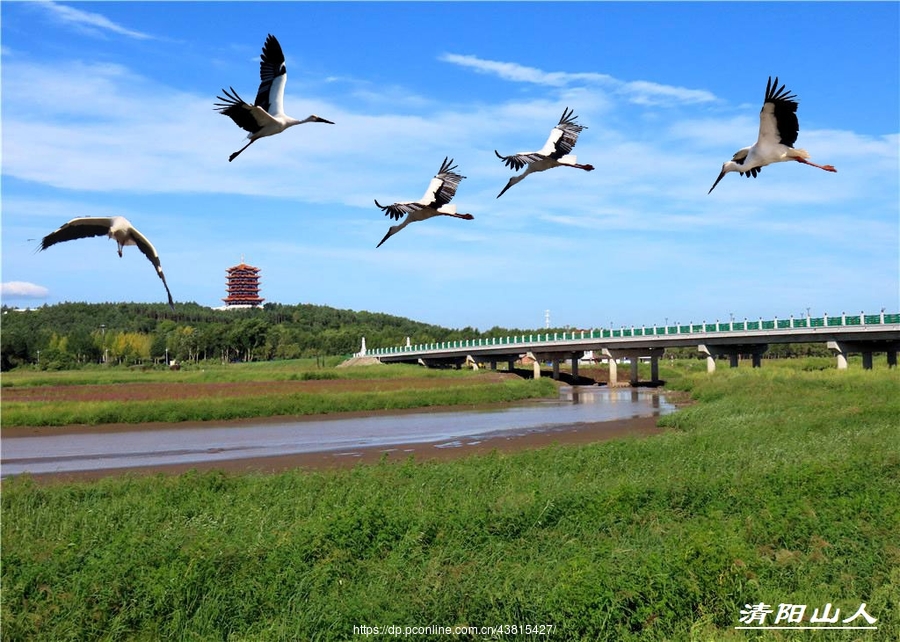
pixel 867 348
pixel 535 365
pixel 556 369
pixel 710 358
pixel 575 358
pixel 733 351
pixel 613 370
pixel 633 355
pixel 493 364
pixel 511 365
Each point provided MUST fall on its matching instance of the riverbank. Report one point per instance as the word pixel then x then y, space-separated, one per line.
pixel 778 486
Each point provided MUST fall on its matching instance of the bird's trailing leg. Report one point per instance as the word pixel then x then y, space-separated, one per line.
pixel 235 155
pixel 827 168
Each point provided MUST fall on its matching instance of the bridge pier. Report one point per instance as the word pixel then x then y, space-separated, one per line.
pixel 867 348
pixel 613 368
pixel 734 352
pixel 633 355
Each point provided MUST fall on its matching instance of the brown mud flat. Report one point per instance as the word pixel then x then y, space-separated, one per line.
pixel 580 434
pixel 152 391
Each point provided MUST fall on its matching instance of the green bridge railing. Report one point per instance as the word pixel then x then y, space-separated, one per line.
pixel 791 323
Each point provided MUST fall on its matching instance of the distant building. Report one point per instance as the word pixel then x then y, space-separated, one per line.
pixel 242 284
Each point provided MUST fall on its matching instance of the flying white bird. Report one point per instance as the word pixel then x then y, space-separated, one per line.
pixel 555 152
pixel 266 117
pixel 778 127
pixel 115 227
pixel 435 202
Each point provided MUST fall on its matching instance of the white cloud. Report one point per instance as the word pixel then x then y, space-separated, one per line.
pixel 90 22
pixel 639 92
pixel 23 290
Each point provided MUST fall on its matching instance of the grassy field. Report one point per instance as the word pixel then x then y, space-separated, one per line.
pixel 226 392
pixel 780 486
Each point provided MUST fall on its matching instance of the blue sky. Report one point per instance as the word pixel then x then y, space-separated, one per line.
pixel 107 109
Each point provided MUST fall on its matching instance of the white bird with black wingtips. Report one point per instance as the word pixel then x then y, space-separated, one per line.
pixel 554 153
pixel 266 116
pixel 115 227
pixel 435 202
pixel 778 128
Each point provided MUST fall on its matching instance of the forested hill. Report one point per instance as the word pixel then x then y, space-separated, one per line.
pixel 69 334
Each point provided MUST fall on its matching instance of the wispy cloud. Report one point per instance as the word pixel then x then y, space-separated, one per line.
pixel 640 92
pixel 89 21
pixel 23 290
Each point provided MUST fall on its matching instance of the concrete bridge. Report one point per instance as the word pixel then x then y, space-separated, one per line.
pixel 844 334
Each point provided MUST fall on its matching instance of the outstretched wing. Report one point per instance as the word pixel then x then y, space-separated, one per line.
pixel 518 161
pixel 272 76
pixel 239 111
pixel 398 210
pixel 77 228
pixel 563 137
pixel 145 246
pixel 778 117
pixel 448 179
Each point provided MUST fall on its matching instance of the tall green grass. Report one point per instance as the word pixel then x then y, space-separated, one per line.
pixel 218 408
pixel 778 486
pixel 290 370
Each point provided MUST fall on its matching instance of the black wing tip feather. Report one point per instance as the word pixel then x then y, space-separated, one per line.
pixel 774 93
pixel 271 51
pixel 568 120
pixel 231 99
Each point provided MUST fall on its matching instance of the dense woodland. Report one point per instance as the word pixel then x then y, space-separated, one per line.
pixel 69 335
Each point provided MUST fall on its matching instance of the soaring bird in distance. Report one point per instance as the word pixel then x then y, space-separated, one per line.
pixel 266 117
pixel 435 202
pixel 778 127
pixel 115 227
pixel 554 153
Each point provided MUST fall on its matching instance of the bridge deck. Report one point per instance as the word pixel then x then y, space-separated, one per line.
pixel 882 330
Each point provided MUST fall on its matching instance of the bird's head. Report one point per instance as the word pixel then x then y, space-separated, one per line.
pixel 725 170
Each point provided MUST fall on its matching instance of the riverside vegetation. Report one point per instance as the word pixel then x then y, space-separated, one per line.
pixel 778 485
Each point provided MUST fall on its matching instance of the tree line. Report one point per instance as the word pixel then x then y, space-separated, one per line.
pixel 68 335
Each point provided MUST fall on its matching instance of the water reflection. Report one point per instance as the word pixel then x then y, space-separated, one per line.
pixel 222 442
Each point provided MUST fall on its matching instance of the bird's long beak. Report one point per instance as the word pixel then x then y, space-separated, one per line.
pixel 717 182
pixel 386 237
pixel 508 185
pixel 322 120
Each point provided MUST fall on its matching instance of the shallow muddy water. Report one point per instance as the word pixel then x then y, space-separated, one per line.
pixel 340 436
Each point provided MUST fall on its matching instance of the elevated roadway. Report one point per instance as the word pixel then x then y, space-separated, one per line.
pixel 844 334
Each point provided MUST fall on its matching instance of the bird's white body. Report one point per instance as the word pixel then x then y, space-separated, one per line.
pixel 266 116
pixel 114 227
pixel 435 202
pixel 554 153
pixel 778 129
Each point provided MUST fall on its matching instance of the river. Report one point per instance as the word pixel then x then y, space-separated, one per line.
pixel 172 445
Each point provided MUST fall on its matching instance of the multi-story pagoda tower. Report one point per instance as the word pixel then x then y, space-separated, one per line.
pixel 242 286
